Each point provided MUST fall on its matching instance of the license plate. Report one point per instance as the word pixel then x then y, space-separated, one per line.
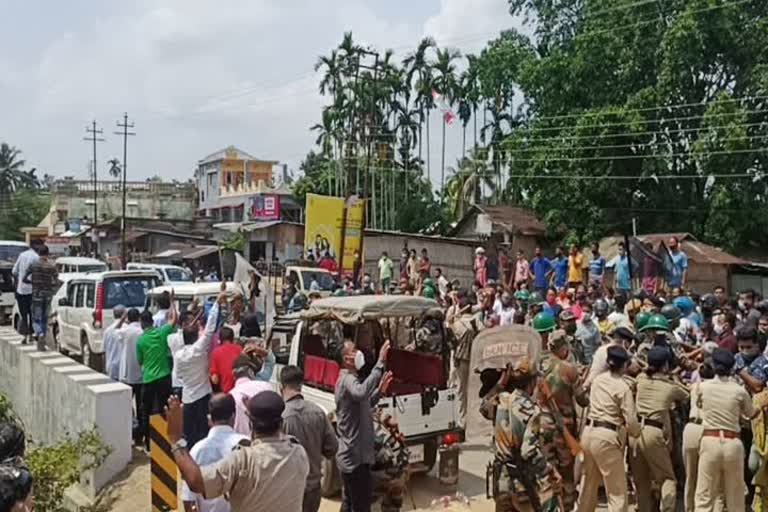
pixel 417 453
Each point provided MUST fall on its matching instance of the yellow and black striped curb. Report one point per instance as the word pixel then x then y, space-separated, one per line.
pixel 164 471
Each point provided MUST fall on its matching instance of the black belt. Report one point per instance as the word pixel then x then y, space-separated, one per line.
pixel 602 424
pixel 652 423
pixel 697 421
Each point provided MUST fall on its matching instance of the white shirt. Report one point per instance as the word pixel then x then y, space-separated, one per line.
pixel 244 389
pixel 192 364
pixel 112 351
pixel 221 440
pixel 599 364
pixel 497 307
pixel 620 320
pixel 160 318
pixel 175 342
pixel 442 285
pixel 130 369
pixel 506 316
pixel 21 268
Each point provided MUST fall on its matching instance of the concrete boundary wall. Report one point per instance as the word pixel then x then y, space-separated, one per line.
pixel 55 396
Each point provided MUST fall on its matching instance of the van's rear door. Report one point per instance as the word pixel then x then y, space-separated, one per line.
pixel 423 414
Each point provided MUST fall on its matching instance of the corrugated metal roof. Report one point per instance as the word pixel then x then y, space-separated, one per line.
pixel 203 251
pixel 514 219
pixel 697 251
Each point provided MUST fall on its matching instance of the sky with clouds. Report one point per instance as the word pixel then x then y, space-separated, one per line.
pixel 197 75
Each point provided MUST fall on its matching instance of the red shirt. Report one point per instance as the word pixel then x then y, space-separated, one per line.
pixel 222 359
pixel 328 264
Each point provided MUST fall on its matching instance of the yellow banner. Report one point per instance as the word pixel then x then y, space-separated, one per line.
pixel 353 234
pixel 322 229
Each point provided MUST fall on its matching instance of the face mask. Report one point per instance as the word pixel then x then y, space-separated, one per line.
pixel 751 353
pixel 359 360
pixel 718 328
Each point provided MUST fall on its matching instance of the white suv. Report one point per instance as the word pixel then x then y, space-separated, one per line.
pixel 85 309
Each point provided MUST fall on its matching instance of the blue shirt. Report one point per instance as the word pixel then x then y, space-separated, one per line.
pixel 758 368
pixel 679 266
pixel 620 265
pixel 560 265
pixel 597 267
pixel 540 266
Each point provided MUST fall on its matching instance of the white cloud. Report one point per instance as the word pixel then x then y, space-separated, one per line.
pixel 195 76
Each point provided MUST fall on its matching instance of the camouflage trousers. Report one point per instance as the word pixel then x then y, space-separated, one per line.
pixel 559 456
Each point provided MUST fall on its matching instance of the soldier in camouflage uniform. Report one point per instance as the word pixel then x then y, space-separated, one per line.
pixel 390 462
pixel 523 478
pixel 558 411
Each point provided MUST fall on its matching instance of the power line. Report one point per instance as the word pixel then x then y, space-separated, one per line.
pixel 620 110
pixel 125 125
pixel 94 137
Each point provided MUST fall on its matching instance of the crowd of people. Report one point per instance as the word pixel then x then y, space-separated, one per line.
pixel 654 393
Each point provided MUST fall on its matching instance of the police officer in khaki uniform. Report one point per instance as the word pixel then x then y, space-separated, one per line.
pixel 611 417
pixel 721 403
pixel 650 458
pixel 266 476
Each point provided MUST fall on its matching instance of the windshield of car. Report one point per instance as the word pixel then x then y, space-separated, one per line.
pixel 101 267
pixel 131 292
pixel 6 281
pixel 178 275
pixel 11 252
pixel 324 280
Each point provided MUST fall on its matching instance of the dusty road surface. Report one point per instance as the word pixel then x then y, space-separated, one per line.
pixel 130 492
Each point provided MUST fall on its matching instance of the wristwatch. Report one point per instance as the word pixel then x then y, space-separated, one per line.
pixel 181 444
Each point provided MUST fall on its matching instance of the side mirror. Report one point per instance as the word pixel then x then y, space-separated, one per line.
pixel 63 301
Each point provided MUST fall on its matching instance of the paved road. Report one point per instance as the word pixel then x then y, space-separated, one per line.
pixel 422 489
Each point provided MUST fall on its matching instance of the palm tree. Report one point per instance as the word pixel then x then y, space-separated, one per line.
pixel 417 66
pixel 445 82
pixel 11 173
pixel 463 188
pixel 115 170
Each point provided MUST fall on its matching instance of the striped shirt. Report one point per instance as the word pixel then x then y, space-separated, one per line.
pixel 44 278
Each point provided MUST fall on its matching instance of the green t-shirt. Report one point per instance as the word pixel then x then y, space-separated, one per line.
pixel 385 268
pixel 153 354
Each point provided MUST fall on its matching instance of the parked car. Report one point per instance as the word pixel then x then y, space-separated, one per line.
pixel 84 307
pixel 10 250
pixel 169 274
pixel 7 295
pixel 79 265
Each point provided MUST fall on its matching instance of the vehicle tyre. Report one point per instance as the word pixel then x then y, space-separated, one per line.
pixel 330 481
pixel 430 454
pixel 91 360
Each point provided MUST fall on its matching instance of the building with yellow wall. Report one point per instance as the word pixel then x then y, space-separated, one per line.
pixel 229 169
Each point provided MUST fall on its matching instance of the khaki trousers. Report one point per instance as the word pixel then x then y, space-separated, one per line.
pixel 721 466
pixel 650 461
pixel 691 443
pixel 603 461
pixel 460 379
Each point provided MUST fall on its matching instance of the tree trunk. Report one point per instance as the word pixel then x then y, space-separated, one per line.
pixel 474 121
pixel 429 169
pixel 464 141
pixel 442 165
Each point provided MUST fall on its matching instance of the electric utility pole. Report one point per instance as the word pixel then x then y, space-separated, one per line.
pixel 94 136
pixel 125 133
